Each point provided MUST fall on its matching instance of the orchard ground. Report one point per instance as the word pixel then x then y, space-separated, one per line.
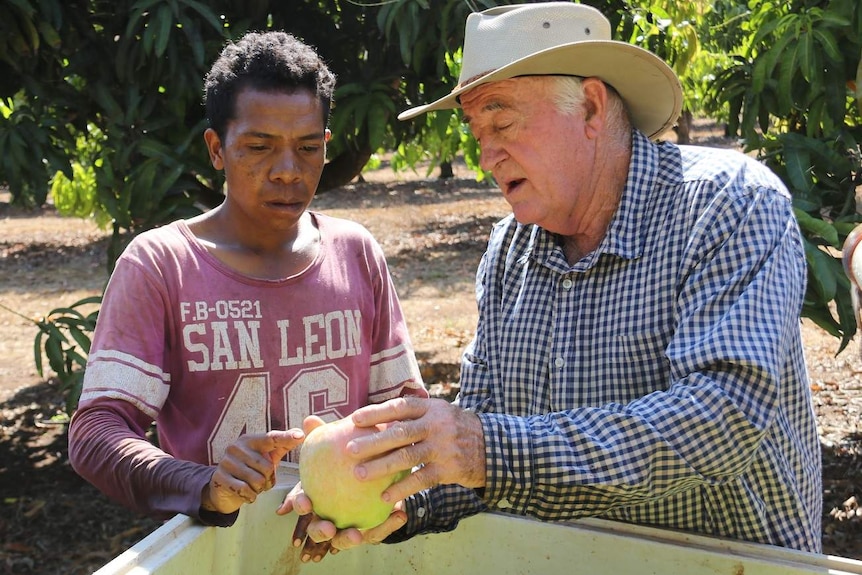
pixel 433 233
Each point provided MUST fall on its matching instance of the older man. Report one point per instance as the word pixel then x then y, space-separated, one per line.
pixel 638 353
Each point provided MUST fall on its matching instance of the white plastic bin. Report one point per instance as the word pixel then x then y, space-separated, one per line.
pixel 490 543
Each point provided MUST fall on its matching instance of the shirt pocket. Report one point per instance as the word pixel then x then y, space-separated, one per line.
pixel 626 367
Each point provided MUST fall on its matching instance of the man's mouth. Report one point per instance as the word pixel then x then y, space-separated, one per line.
pixel 513 185
pixel 283 204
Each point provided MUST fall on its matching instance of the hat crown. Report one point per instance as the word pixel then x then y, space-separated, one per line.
pixel 499 36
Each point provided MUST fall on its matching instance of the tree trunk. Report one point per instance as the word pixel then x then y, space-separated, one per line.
pixel 683 128
pixel 341 169
pixel 446 170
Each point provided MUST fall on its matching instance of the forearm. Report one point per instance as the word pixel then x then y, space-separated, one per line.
pixel 437 510
pixel 130 470
pixel 585 461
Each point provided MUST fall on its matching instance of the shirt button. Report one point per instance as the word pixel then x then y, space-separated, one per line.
pixel 420 512
pixel 567 284
pixel 503 504
pixel 559 362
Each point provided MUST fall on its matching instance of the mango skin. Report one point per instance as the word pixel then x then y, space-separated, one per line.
pixel 326 474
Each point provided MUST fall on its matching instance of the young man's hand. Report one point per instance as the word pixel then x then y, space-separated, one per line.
pixel 248 469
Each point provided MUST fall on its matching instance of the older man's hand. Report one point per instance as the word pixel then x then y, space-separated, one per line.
pixel 444 439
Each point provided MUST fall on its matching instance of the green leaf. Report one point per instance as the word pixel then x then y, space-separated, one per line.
pixel 73 357
pixel 377 122
pixel 820 276
pixel 822 318
pixel 785 80
pixel 54 352
pixel 798 164
pixel 206 13
pixel 829 44
pixel 195 40
pixel 818 228
pixel 107 102
pixel 805 49
pixel 833 19
pixel 69 313
pixel 37 352
pixel 859 82
pixel 165 21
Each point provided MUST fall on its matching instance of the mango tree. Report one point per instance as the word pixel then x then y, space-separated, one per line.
pixel 793 95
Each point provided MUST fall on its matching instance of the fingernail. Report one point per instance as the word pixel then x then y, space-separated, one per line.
pixel 361 472
pixel 385 496
pixel 297 542
pixel 305 558
pixel 352 447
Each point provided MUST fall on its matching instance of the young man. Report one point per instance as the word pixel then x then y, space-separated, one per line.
pixel 229 328
pixel 638 354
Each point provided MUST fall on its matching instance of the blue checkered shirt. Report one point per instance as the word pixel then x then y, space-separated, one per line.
pixel 659 380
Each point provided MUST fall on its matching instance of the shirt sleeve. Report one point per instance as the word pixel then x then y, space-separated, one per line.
pixel 108 443
pixel 107 447
pixel 394 370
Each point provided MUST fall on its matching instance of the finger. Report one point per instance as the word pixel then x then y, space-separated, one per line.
pixel 395 521
pixel 228 493
pixel 245 467
pixel 320 530
pixel 313 551
pixel 302 503
pixel 295 500
pixel 300 532
pixel 397 409
pixel 287 505
pixel 281 442
pixel 349 538
pixel 254 458
pixel 423 478
pixel 311 422
pixel 394 449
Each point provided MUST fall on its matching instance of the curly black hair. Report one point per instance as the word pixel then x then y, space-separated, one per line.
pixel 274 61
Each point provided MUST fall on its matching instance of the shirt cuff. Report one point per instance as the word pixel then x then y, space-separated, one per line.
pixel 418 512
pixel 216 519
pixel 508 463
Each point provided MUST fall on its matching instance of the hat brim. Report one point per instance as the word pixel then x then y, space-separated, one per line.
pixel 647 85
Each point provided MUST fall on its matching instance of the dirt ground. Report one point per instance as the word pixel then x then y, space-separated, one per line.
pixel 433 232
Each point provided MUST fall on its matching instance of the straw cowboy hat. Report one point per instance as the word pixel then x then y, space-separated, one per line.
pixel 567 39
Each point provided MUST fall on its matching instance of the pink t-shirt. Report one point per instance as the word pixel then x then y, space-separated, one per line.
pixel 211 354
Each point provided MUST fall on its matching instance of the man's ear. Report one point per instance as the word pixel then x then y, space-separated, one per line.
pixel 595 106
pixel 215 148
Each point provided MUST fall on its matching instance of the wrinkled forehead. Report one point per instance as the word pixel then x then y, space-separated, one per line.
pixel 504 94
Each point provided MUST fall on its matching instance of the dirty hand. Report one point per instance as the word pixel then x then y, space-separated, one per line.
pixel 247 469
pixel 444 439
pixel 317 536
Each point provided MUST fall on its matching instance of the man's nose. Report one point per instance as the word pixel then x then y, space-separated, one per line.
pixel 286 166
pixel 490 154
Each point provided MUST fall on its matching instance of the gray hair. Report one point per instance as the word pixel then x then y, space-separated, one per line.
pixel 569 98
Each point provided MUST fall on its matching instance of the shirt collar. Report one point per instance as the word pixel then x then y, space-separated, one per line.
pixel 623 238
